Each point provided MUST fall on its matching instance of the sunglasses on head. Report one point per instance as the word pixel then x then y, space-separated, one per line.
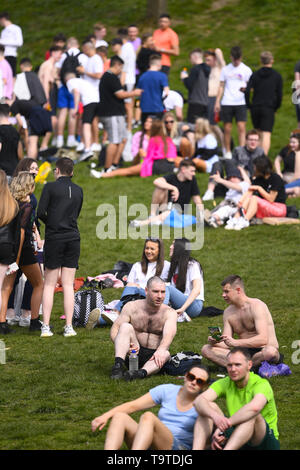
pixel 151 239
pixel 191 377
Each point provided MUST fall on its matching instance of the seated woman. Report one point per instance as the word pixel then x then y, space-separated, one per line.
pixel 151 264
pixel 186 289
pixel 139 147
pixel 206 146
pixel 172 429
pixel 161 153
pixel 290 157
pixel 179 135
pixel 265 197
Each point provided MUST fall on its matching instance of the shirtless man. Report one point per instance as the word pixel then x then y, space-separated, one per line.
pixel 248 318
pixel 148 326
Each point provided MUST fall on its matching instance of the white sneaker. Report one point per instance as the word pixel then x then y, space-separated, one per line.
pixel 231 223
pixel 24 320
pixel 80 147
pixel 96 147
pixel 86 155
pixel 241 223
pixel 96 174
pixel 135 223
pixel 228 155
pixel 72 142
pixel 208 195
pixel 109 317
pixel 69 331
pixel 93 319
pixel 45 331
pixel 183 317
pixel 59 142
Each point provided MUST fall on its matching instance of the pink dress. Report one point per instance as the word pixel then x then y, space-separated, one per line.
pixel 156 152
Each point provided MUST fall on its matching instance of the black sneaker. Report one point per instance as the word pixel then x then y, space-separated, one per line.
pixel 35 325
pixel 5 329
pixel 118 371
pixel 134 374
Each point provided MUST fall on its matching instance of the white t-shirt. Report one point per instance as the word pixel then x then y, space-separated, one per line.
pixel 138 277
pixel 12 38
pixel 129 57
pixel 193 272
pixel 93 64
pixel 234 78
pixel 101 42
pixel 72 51
pixel 173 100
pixel 207 142
pixel 235 195
pixel 88 93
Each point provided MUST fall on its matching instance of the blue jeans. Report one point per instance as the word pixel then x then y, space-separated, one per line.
pixel 177 299
pixel 293 184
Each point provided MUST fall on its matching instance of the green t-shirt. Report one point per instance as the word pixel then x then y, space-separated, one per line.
pixel 236 397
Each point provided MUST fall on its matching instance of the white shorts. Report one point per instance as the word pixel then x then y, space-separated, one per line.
pixel 129 87
pixel 115 127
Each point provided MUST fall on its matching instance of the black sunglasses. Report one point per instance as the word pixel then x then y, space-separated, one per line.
pixel 169 122
pixel 151 239
pixel 192 377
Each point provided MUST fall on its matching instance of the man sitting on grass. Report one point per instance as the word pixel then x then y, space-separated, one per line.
pixel 147 326
pixel 252 424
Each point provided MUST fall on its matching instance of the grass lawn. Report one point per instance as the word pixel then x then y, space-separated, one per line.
pixel 52 388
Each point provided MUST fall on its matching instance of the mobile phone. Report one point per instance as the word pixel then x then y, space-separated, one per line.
pixel 215 332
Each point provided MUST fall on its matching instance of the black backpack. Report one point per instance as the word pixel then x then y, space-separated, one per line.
pixel 69 65
pixel 181 362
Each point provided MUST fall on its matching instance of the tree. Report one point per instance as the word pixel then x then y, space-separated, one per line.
pixel 156 7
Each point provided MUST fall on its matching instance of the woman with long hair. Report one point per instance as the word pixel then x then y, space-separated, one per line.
pixel 179 135
pixel 161 153
pixel 290 157
pixel 152 263
pixel 206 146
pixel 30 165
pixel 8 226
pixel 139 146
pixel 186 289
pixel 21 187
pixel 265 197
pixel 171 429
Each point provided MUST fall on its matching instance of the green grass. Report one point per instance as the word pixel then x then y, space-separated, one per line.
pixel 51 389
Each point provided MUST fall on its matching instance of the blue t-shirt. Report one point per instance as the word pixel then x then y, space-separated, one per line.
pixel 152 83
pixel 180 423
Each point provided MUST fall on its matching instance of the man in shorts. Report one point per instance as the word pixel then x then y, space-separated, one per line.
pixel 111 111
pixel 252 422
pixel 147 326
pixel 231 98
pixel 266 84
pixel 59 207
pixel 248 318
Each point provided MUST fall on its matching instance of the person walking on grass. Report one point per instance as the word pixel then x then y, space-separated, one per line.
pixel 59 207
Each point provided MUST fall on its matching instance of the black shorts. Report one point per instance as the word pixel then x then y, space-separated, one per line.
pixel 196 111
pixel 253 351
pixel 89 112
pixel 144 355
pixel 7 254
pixel 238 112
pixel 263 118
pixel 61 254
pixel 28 256
pixel 12 60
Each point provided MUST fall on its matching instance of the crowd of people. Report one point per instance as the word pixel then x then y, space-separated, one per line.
pixel 115 97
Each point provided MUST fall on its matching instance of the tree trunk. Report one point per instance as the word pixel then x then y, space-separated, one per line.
pixel 156 8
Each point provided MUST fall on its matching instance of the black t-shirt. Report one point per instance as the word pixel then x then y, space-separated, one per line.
pixel 9 138
pixel 187 189
pixel 288 160
pixel 110 105
pixel 26 222
pixel 273 183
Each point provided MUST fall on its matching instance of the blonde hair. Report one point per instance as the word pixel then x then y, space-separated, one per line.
pixel 22 185
pixel 174 130
pixel 202 128
pixel 9 206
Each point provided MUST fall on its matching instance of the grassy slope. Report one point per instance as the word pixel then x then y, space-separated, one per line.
pixel 54 388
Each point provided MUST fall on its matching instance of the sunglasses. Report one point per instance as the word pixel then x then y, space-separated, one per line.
pixel 151 239
pixel 169 122
pixel 191 377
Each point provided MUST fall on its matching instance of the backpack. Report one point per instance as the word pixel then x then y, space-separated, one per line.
pixel 85 301
pixel 181 362
pixel 69 65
